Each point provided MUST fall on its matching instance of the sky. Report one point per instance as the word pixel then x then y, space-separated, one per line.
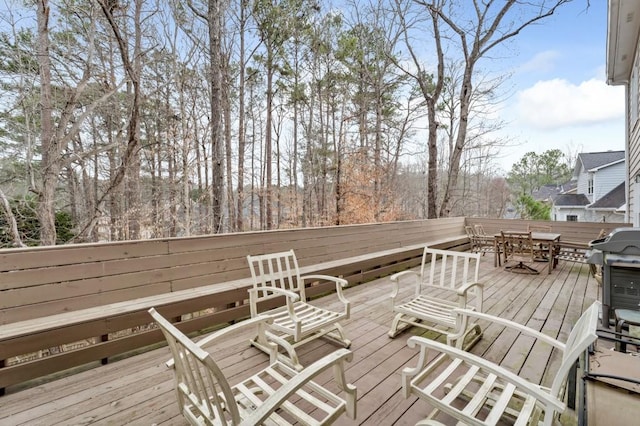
pixel 561 99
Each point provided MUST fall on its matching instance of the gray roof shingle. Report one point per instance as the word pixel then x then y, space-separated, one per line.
pixel 614 199
pixel 571 200
pixel 592 160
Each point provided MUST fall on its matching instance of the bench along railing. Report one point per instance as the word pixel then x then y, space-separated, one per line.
pixel 65 306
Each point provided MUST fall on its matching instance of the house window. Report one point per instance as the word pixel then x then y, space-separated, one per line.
pixel 590 186
pixel 572 218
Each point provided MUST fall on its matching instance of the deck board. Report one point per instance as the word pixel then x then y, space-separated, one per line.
pixel 139 389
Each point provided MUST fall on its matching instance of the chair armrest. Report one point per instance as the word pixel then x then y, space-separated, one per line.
pixel 395 280
pixel 336 359
pixel 506 375
pixel 396 277
pixel 466 313
pixel 260 321
pixel 462 295
pixel 340 283
pixel 290 298
pixel 289 294
pixel 465 288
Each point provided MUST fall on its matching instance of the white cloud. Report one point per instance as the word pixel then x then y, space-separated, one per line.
pixel 557 103
pixel 541 62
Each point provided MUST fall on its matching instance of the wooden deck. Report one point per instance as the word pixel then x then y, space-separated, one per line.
pixel 139 389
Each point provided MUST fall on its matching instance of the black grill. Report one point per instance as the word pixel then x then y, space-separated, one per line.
pixel 619 255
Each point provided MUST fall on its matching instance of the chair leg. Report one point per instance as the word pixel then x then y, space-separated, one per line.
pixel 522 268
pixel 477 335
pixel 338 336
pixel 398 325
pixel 291 359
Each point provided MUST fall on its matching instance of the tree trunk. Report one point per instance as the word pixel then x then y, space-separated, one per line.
pixel 214 17
pixel 50 149
pixel 171 177
pixel 11 221
pixel 241 123
pixel 226 107
pixel 456 153
pixel 267 140
pixel 133 171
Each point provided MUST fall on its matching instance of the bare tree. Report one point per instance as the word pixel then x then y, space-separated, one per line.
pixel 214 19
pixel 132 72
pixel 472 33
pixel 56 137
pixel 491 25
pixel 242 23
pixel 51 148
pixel 431 86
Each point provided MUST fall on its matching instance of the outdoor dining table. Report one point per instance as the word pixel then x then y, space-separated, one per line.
pixel 545 239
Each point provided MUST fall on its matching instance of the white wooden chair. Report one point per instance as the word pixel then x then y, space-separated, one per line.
pixel 456 276
pixel 277 395
pixel 296 321
pixel 476 391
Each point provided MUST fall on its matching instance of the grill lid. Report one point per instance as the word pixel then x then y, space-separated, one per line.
pixel 620 240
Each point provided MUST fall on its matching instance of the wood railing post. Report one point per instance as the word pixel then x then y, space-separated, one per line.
pixel 3 363
pixel 104 338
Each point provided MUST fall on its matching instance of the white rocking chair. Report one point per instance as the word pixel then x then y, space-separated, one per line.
pixel 475 391
pixel 456 275
pixel 277 395
pixel 296 322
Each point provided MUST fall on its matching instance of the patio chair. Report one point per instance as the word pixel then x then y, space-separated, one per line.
pixel 540 251
pixel 295 321
pixel 479 229
pixel 277 394
pixel 440 288
pixel 518 247
pixel 476 391
pixel 473 238
pixel 486 242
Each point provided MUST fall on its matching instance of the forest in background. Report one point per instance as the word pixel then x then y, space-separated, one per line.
pixel 147 119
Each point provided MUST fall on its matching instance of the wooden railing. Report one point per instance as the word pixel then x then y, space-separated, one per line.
pixel 64 306
pixel 581 232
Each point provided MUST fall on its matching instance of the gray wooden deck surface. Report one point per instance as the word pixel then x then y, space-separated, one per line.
pixel 139 389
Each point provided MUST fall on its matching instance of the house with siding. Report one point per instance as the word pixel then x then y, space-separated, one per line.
pixel 599 195
pixel 623 68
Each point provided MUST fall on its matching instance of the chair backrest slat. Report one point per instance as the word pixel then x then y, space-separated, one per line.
pixel 471 232
pixel 278 270
pixel 479 229
pixel 454 270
